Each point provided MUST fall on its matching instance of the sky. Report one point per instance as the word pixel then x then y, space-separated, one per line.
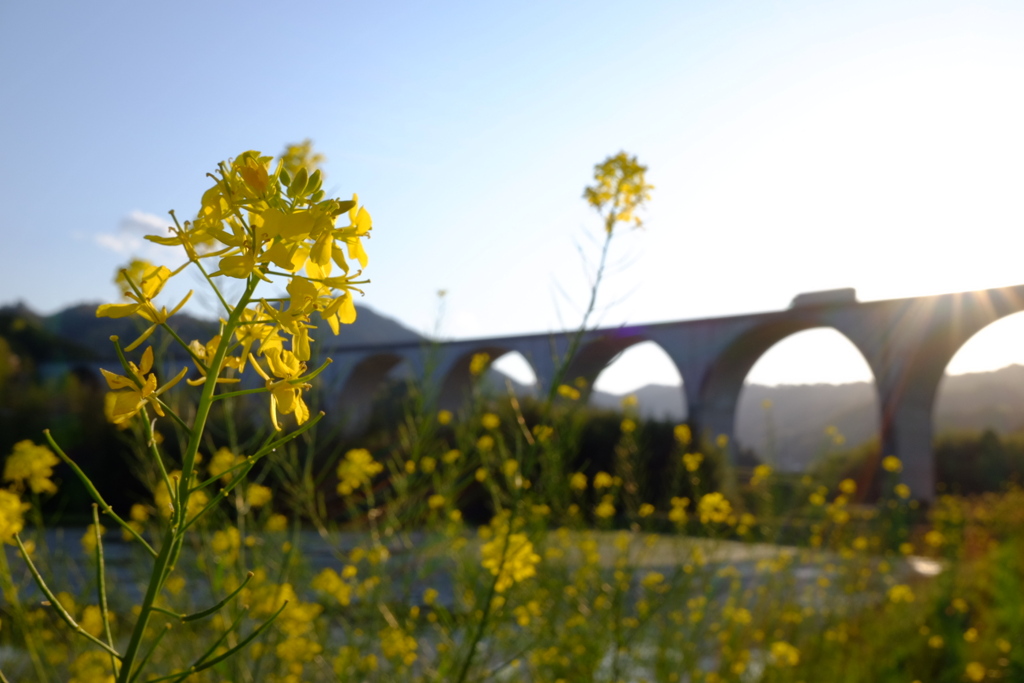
pixel 794 146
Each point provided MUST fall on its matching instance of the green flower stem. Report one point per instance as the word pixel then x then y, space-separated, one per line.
pixel 221 495
pixel 61 612
pixel 240 392
pixel 101 583
pixel 288 437
pixel 175 532
pixel 151 441
pixel 202 665
pixel 577 338
pixel 213 610
pixel 10 593
pixel 172 413
pixel 107 510
pixel 152 648
pixel 478 636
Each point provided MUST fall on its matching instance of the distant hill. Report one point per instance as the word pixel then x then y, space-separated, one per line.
pixel 76 333
pixel 790 431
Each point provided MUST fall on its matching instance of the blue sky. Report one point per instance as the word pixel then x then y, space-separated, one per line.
pixel 794 146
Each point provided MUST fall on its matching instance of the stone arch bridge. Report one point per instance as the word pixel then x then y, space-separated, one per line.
pixel 907 343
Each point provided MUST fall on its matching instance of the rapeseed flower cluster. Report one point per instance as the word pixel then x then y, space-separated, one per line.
pixel 510 557
pixel 31 465
pixel 256 223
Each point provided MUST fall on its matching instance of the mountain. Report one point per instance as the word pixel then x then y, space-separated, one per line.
pixel 787 424
pixel 76 333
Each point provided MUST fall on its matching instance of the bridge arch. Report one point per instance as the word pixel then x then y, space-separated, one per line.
pixel 645 355
pixel 364 379
pixel 596 354
pixel 719 393
pixel 793 385
pixel 514 365
pixel 980 390
pixel 456 380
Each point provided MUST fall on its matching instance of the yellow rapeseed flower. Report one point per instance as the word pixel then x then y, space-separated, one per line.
pixel 91 667
pixel 682 434
pixel 678 512
pixel 603 480
pixel 257 495
pixel 222 461
pixel 32 464
pixel 578 481
pixel 714 507
pixel 444 417
pixel 490 421
pixel 566 391
pixel 478 363
pixel 338 586
pixel 934 538
pixel 891 463
pixel 356 470
pixel 784 654
pixel 11 520
pixel 620 188
pixel 397 645
pixel 277 522
pixel 975 671
pixel 692 461
pixel 131 394
pixel 225 544
pixel 89 538
pixel 901 593
pixel 512 560
pixel 761 474
pixel 605 508
pixel 286 390
pixel 902 490
pixel 542 432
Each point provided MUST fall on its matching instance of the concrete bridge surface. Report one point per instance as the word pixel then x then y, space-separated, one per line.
pixel 907 343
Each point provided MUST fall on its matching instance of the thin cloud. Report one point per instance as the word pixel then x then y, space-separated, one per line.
pixel 142 223
pixel 128 240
